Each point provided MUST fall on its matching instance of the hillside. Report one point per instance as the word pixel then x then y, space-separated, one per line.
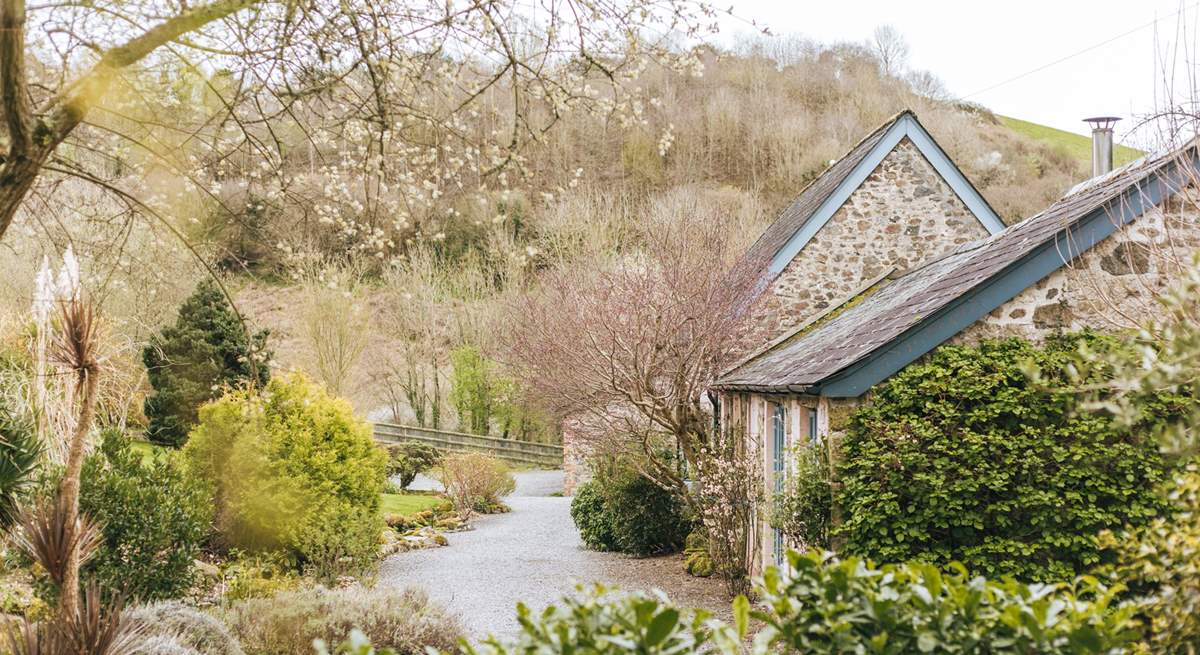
pixel 737 139
pixel 1076 146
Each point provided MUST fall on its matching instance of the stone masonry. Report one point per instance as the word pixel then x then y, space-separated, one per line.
pixel 1113 286
pixel 903 214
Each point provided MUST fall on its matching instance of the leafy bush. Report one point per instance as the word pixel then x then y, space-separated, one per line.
pixel 406 460
pixel 475 482
pixel 259 575
pixel 592 518
pixel 964 457
pixel 294 470
pixel 189 363
pixel 802 510
pixel 1161 562
pixel 153 518
pixel 20 452
pixel 189 628
pixel 647 519
pixel 621 510
pixel 405 621
pixel 852 607
pixel 599 621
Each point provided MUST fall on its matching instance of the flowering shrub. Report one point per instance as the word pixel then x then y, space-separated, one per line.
pixel 729 490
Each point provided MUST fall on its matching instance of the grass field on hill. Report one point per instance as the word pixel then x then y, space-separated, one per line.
pixel 1079 147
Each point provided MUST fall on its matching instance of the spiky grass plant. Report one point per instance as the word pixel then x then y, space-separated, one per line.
pixel 97 627
pixel 20 452
pixel 46 534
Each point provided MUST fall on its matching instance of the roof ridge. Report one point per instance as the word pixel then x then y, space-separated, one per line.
pixel 882 127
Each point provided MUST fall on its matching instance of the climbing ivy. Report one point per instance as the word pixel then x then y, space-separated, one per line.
pixel 966 456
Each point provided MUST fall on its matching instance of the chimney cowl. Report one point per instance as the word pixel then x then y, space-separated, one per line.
pixel 1102 143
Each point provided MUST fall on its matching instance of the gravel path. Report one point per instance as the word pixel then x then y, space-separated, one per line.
pixel 534 555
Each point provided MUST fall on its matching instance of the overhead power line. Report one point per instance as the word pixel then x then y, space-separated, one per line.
pixel 1078 53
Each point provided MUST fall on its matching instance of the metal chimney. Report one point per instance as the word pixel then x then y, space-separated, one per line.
pixel 1102 143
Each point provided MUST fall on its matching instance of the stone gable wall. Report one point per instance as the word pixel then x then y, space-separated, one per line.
pixel 903 214
pixel 1113 286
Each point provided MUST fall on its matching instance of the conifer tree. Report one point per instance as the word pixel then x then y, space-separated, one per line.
pixel 190 362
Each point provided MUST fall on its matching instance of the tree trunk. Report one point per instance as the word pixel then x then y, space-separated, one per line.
pixel 69 489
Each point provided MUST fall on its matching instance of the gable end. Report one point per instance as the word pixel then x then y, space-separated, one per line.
pixel 905 126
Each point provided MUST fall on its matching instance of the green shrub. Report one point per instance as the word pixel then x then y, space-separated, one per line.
pixel 260 575
pixel 405 621
pixel 471 389
pixel 475 482
pixel 154 520
pixel 1160 562
pixel 20 452
pixel 598 621
pixel 623 511
pixel 294 470
pixel 964 457
pixel 592 518
pixel 189 363
pixel 852 607
pixel 187 627
pixel 647 519
pixel 697 560
pixel 406 460
pixel 802 510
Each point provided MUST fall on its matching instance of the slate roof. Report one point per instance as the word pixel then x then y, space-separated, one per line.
pixel 900 304
pixel 801 210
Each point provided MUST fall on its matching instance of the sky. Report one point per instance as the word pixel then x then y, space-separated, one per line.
pixel 973 46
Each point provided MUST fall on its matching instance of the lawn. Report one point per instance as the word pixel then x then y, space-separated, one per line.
pixel 408 504
pixel 1077 146
pixel 146 449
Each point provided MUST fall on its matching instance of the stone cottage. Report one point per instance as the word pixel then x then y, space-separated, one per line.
pixel 894 200
pixel 862 283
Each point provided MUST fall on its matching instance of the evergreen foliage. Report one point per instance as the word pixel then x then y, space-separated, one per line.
pixel 190 362
pixel 153 518
pixel 849 606
pixel 620 510
pixel 967 457
pixel 294 471
pixel 20 452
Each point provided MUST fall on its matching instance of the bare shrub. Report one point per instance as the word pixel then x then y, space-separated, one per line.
pixel 335 323
pixel 403 620
pixel 475 482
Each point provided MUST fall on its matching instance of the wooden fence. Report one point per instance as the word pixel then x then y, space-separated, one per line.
pixel 523 452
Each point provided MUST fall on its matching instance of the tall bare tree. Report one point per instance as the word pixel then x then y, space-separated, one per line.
pixel 628 348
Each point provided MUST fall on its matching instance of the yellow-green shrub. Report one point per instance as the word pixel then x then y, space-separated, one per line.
pixel 1160 562
pixel 294 471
